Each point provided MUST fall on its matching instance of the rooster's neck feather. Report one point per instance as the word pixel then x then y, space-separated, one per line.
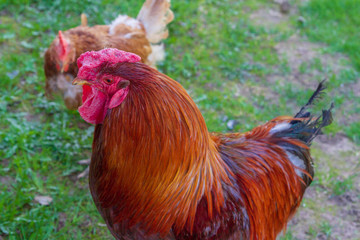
pixel 157 159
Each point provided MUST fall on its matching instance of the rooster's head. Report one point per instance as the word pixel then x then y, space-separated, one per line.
pixel 105 85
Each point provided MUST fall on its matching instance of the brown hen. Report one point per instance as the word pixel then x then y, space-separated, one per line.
pixel 141 36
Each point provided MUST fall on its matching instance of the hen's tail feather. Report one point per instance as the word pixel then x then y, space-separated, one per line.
pixel 84 21
pixel 155 15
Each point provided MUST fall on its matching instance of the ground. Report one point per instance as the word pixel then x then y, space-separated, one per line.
pixel 243 62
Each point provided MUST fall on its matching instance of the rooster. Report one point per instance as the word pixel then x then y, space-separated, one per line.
pixel 157 173
pixel 141 36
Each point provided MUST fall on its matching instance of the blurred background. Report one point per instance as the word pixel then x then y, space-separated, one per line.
pixel 243 62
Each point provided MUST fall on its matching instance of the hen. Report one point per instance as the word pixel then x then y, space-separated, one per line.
pixel 141 36
pixel 157 173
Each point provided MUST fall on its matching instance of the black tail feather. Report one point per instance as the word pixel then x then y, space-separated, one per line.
pixel 306 130
pixel 316 95
pixel 318 124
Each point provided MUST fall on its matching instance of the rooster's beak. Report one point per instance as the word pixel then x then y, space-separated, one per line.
pixel 78 81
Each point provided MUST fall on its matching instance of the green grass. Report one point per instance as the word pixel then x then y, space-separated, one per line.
pixel 353 130
pixel 335 23
pixel 214 51
pixel 287 236
pixel 325 228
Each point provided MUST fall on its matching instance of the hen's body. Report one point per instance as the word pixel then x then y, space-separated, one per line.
pixel 156 171
pixel 133 35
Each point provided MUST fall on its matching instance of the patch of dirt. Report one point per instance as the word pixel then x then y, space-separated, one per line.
pixel 341 153
pixel 4 162
pixel 337 144
pixel 6 180
pixel 351 202
pixel 300 53
pixel 86 223
pixel 61 220
pixel 356 87
pixel 274 14
pixel 326 215
pixel 268 17
pixel 257 90
pixel 32 117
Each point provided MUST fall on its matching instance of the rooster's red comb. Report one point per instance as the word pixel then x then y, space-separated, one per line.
pixel 93 59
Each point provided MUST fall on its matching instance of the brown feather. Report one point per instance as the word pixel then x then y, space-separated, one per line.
pixel 178 172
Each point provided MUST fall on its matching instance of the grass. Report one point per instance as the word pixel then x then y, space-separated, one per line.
pixel 335 23
pixel 214 51
pixel 287 236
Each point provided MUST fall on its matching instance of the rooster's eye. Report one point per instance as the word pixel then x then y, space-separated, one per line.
pixel 108 80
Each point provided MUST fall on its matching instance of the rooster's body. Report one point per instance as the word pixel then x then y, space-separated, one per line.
pixel 157 173
pixel 141 36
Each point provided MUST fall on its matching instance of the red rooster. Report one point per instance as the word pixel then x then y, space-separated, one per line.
pixel 141 36
pixel 157 173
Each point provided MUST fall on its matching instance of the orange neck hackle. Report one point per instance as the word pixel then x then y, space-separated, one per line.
pixel 158 160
